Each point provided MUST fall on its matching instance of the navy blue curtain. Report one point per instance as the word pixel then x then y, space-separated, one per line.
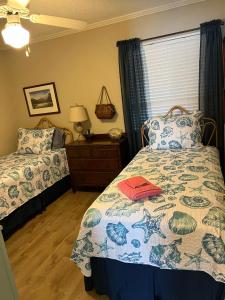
pixel 211 77
pixel 132 89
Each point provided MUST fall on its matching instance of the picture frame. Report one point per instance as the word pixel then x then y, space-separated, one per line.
pixel 41 99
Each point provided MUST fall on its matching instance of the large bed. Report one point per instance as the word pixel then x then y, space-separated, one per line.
pixel 29 182
pixel 169 247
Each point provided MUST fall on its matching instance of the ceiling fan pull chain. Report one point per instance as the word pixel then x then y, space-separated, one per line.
pixel 27 51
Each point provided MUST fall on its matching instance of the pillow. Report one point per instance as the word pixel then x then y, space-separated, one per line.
pixel 176 132
pixel 34 141
pixel 58 140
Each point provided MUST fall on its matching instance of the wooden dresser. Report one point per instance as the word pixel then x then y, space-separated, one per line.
pixel 96 163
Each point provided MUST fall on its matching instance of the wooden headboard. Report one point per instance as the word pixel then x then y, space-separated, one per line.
pixel 46 123
pixel 208 128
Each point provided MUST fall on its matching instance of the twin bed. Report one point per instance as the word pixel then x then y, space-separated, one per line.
pixel 31 181
pixel 169 247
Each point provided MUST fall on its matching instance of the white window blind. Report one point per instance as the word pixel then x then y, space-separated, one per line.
pixel 171 72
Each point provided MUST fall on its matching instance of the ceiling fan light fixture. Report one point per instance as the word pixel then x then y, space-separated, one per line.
pixel 15 35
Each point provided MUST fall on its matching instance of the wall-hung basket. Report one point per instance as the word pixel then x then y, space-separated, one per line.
pixel 104 110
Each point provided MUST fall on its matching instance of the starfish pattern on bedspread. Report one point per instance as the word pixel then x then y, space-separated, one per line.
pixel 104 248
pixel 150 225
pixel 195 259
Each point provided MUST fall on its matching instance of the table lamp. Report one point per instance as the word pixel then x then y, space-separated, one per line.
pixel 78 115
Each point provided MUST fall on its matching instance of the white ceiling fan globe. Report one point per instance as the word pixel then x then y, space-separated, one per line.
pixel 15 35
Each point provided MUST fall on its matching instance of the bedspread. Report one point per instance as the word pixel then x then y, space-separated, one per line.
pixel 23 177
pixel 183 228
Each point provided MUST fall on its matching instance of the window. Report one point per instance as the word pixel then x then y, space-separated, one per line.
pixel 171 72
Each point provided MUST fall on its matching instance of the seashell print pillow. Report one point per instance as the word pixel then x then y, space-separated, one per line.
pixel 34 141
pixel 176 132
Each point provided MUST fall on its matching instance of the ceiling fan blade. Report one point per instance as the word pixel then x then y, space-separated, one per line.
pixel 18 3
pixel 57 21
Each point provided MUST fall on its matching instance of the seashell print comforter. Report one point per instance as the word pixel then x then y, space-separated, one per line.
pixel 24 176
pixel 183 228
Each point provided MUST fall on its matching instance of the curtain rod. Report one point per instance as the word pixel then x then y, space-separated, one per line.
pixel 179 32
pixel 169 34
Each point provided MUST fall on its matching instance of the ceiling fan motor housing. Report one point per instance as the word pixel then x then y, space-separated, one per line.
pixel 5 11
pixel 13 18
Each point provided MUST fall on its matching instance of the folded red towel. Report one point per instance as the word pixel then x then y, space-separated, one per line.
pixel 138 187
pixel 136 182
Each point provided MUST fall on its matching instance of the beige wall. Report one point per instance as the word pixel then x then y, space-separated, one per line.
pixel 80 64
pixel 8 121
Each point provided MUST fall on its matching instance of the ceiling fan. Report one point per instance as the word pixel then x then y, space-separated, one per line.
pixel 17 36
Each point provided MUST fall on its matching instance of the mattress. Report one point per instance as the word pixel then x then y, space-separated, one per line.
pixel 183 228
pixel 23 177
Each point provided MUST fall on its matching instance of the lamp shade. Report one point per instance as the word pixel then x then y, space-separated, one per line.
pixel 78 114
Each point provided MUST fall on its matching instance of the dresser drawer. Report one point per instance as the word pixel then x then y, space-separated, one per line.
pixel 78 152
pixel 100 179
pixel 104 152
pixel 93 164
pixel 92 152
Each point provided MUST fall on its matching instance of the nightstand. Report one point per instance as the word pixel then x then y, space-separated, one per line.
pixel 96 163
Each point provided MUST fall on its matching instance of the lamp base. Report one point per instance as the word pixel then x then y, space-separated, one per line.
pixel 79 130
pixel 81 138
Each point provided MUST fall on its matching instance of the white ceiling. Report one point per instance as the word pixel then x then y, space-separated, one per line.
pixel 91 11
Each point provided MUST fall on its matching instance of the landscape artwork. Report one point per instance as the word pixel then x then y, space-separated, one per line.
pixel 41 99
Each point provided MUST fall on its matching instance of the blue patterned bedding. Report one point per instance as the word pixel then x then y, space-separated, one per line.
pixel 184 228
pixel 23 177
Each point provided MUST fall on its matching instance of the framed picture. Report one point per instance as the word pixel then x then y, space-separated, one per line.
pixel 41 99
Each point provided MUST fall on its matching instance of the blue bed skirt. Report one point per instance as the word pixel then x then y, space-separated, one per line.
pixel 33 207
pixel 122 281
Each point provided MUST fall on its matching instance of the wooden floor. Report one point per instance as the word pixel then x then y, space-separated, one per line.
pixel 40 252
